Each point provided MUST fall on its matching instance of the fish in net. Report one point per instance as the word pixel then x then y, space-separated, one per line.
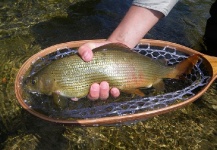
pixel 84 109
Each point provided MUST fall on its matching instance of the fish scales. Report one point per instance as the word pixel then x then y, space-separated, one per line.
pixel 121 67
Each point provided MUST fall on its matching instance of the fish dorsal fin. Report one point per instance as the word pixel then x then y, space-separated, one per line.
pixel 113 46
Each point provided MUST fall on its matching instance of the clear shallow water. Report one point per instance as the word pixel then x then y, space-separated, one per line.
pixel 28 27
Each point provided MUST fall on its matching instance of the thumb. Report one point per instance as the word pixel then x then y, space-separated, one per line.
pixel 85 51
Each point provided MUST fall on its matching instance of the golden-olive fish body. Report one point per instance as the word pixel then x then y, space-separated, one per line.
pixel 118 65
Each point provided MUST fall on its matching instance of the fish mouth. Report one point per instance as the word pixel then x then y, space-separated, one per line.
pixel 27 85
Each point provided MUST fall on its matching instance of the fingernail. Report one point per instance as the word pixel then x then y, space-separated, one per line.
pixel 86 56
pixel 93 88
pixel 115 93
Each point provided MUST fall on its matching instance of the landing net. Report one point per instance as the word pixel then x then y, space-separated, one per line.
pixel 84 109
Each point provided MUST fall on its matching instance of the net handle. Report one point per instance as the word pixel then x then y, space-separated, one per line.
pixel 211 63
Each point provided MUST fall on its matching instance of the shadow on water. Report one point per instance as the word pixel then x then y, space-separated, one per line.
pixel 97 19
pixel 85 20
pixel 172 27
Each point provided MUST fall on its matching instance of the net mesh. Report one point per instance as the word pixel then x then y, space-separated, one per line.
pixel 196 80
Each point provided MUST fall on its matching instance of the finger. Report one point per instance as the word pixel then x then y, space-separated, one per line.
pixel 104 90
pixel 94 92
pixel 85 51
pixel 115 92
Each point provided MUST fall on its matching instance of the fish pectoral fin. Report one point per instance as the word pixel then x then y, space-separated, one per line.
pixel 134 91
pixel 74 98
pixel 159 85
pixel 163 61
pixel 60 101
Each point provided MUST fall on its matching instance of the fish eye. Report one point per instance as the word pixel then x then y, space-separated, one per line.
pixel 33 81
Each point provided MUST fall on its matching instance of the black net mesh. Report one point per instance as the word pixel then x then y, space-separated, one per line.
pixel 125 105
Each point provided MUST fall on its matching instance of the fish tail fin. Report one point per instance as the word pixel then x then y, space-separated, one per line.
pixel 184 67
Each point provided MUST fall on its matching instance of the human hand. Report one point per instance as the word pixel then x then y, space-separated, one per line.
pixel 97 91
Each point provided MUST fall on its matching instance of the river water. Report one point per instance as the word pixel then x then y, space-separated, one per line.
pixel 28 26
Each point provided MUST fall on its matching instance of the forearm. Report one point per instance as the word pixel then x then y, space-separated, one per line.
pixel 136 23
pixel 140 18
